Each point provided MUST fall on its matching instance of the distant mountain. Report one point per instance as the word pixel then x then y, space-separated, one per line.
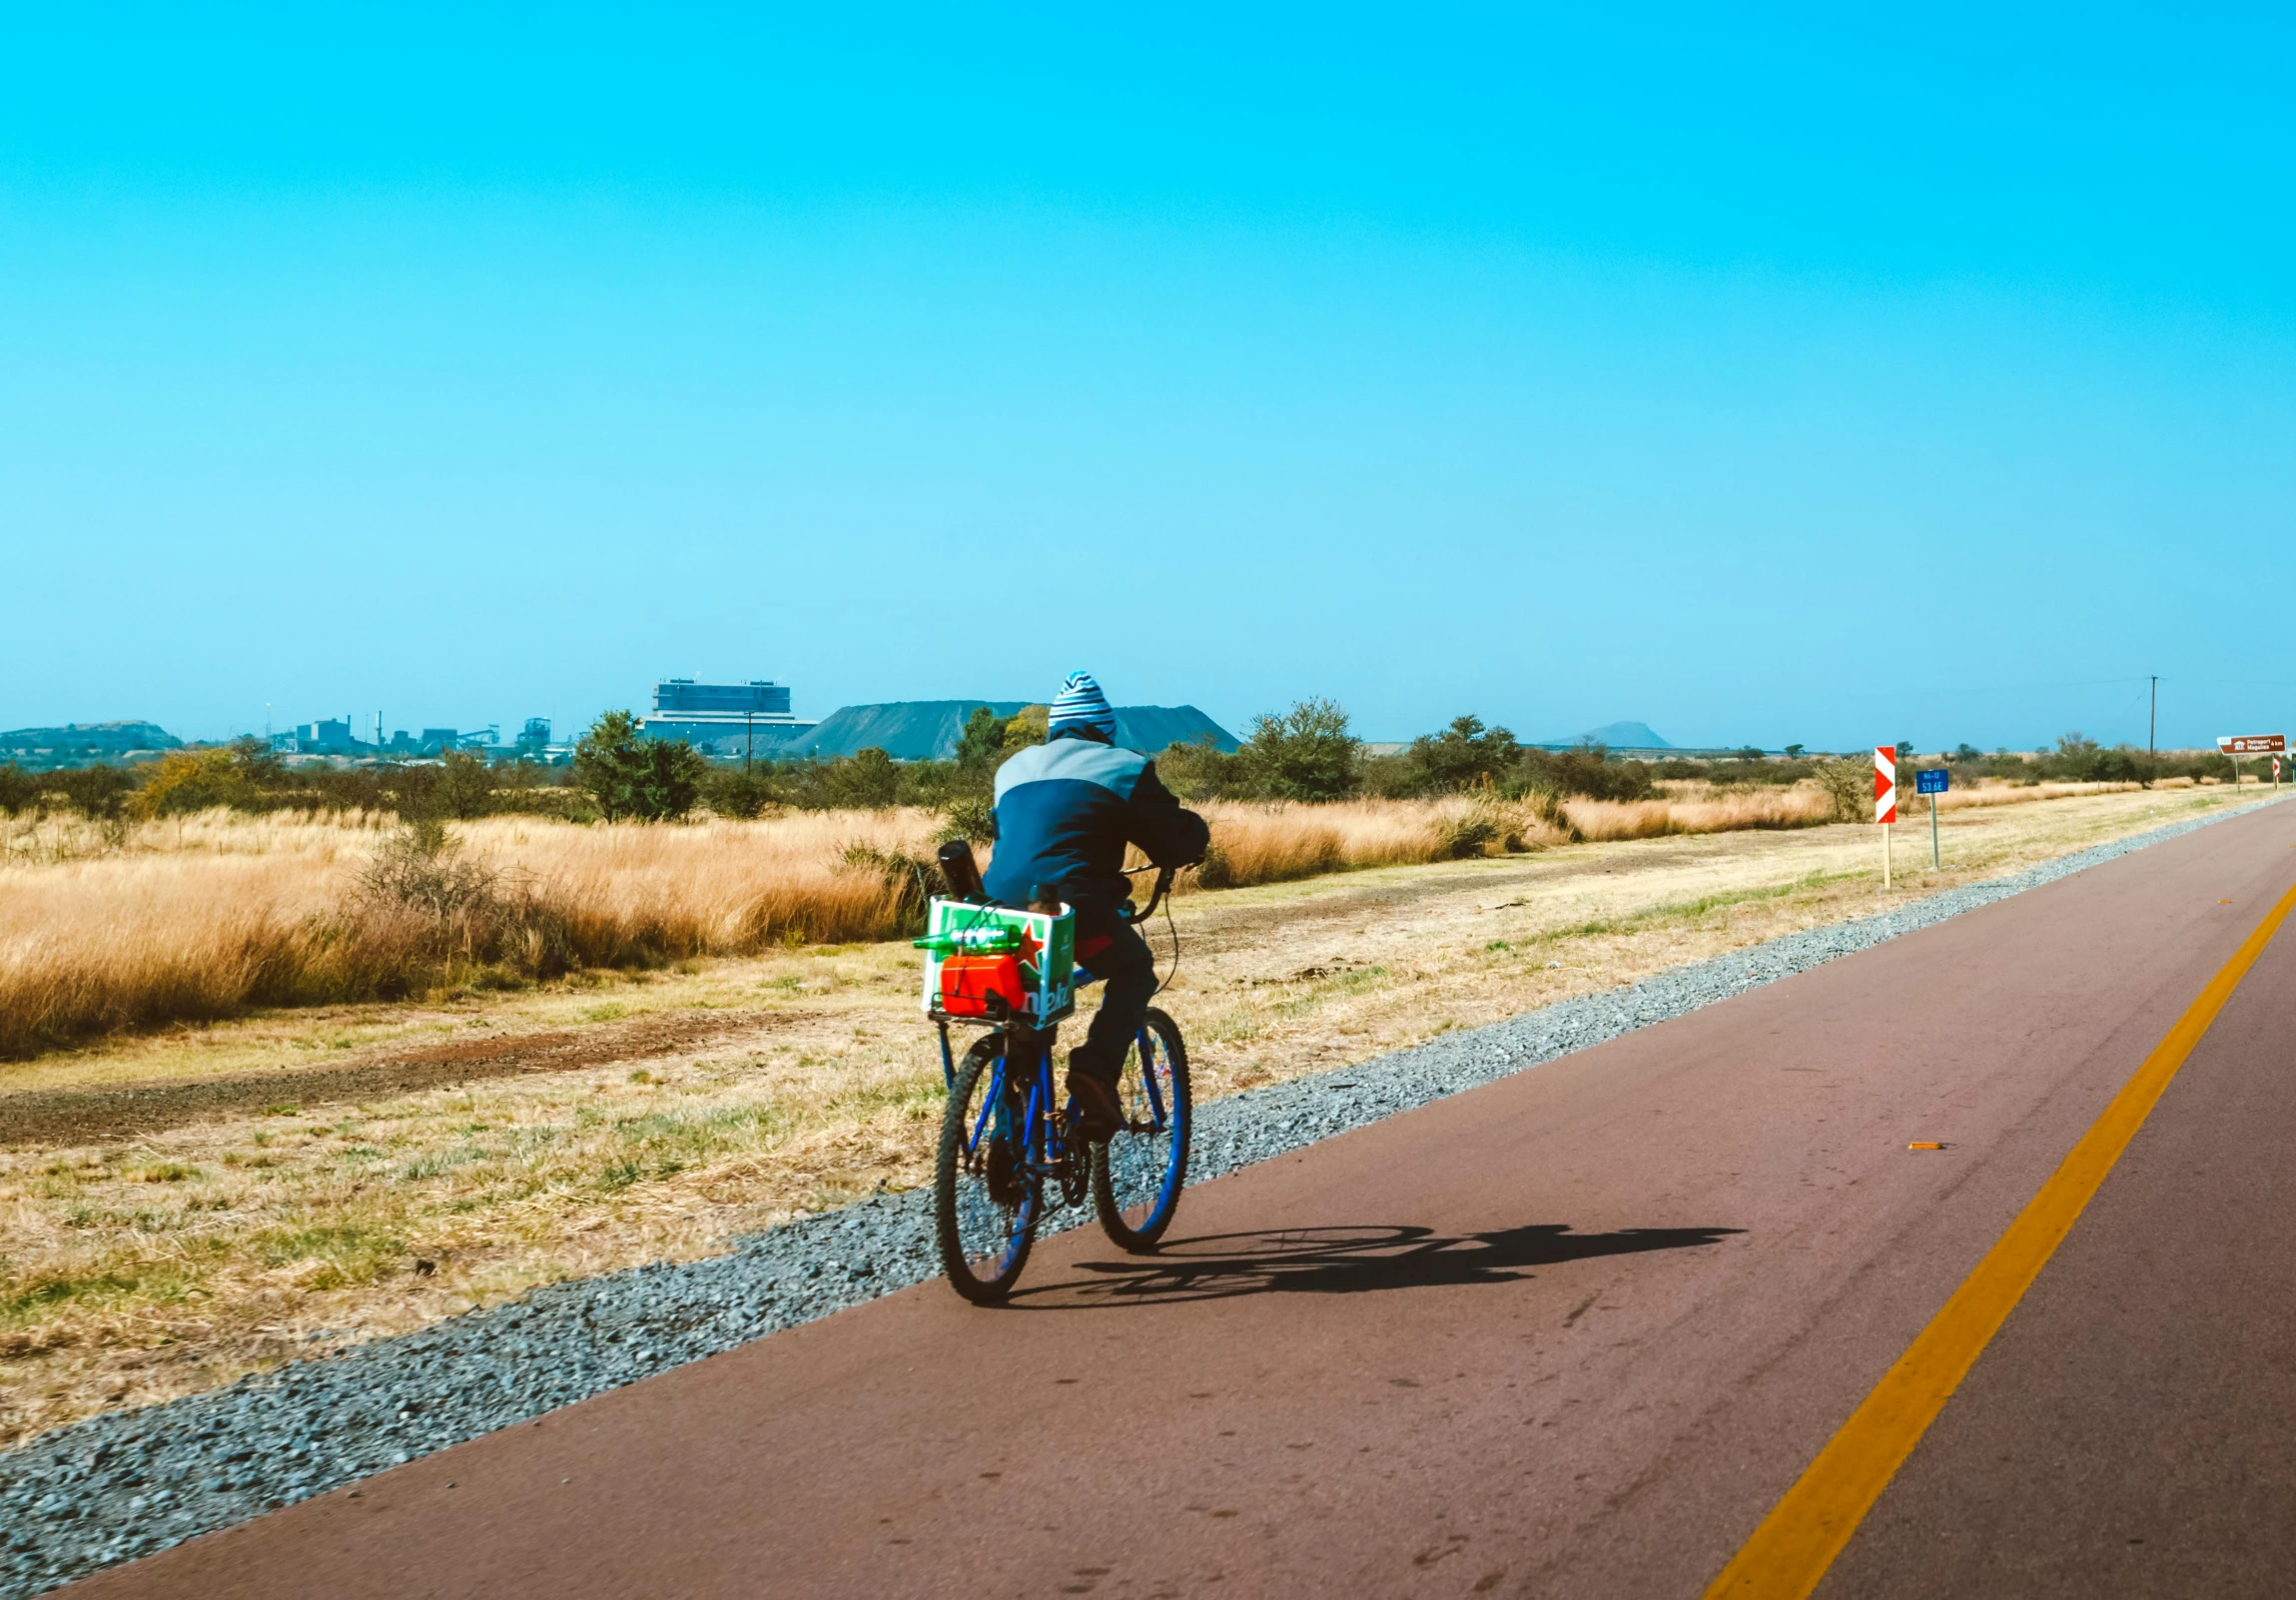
pixel 928 730
pixel 907 730
pixel 1153 729
pixel 94 738
pixel 1616 735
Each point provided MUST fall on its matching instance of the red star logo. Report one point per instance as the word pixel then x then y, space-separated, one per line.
pixel 1029 943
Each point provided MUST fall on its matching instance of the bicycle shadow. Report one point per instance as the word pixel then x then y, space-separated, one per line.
pixel 1343 1260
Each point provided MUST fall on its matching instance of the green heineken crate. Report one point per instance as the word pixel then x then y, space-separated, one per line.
pixel 1047 952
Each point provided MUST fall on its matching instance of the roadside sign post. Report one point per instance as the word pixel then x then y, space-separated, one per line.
pixel 2237 745
pixel 1932 784
pixel 1885 799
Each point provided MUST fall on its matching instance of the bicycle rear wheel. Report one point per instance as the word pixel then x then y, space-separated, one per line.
pixel 1138 1172
pixel 985 1206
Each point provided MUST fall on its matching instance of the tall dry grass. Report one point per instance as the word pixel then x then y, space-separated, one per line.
pixel 195 919
pixel 1700 808
pixel 1277 842
pixel 109 929
pixel 720 887
pixel 2015 794
pixel 116 927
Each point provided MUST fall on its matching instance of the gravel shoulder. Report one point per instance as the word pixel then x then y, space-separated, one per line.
pixel 124 1484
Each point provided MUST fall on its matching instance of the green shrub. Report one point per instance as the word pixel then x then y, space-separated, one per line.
pixel 981 743
pixel 972 818
pixel 100 791
pixel 1306 753
pixel 865 778
pixel 1586 770
pixel 732 792
pixel 1465 756
pixel 630 775
pixel 1200 770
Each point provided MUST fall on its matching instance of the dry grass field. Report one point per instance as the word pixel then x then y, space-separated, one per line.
pixel 115 928
pixel 111 928
pixel 575 1128
pixel 104 930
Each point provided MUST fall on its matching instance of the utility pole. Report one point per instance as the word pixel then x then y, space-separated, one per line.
pixel 749 729
pixel 2153 727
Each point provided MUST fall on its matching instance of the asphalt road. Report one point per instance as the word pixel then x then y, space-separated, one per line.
pixel 1573 1333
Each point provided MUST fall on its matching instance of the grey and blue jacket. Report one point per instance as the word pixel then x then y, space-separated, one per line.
pixel 1064 812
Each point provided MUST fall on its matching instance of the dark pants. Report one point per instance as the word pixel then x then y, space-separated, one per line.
pixel 1109 950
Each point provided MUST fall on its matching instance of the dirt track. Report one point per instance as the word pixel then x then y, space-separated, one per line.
pixel 100 1112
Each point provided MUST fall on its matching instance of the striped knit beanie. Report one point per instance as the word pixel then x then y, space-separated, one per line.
pixel 1080 704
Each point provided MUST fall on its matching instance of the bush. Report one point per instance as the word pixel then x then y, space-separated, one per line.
pixel 1849 785
pixel 197 780
pixel 911 882
pixel 630 775
pixel 1306 753
pixel 981 744
pixel 1465 756
pixel 422 867
pixel 864 779
pixel 20 790
pixel 1201 770
pixel 1587 771
pixel 100 791
pixel 972 818
pixel 462 915
pixel 732 792
pixel 464 788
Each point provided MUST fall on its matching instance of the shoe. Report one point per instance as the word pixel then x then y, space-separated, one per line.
pixel 1099 1114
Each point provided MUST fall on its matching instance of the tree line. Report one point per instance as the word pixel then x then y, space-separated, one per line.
pixel 1308 752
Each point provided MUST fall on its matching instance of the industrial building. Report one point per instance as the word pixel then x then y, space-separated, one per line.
pixel 724 720
pixel 334 737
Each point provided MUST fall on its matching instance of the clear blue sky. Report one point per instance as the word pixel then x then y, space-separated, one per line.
pixel 1766 376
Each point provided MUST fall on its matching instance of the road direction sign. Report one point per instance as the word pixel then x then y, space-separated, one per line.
pixel 2252 743
pixel 1885 799
pixel 1932 782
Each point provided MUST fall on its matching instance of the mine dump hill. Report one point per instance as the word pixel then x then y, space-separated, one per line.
pixel 1615 736
pixel 95 738
pixel 928 730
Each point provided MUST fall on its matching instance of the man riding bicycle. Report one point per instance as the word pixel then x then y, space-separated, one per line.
pixel 1065 809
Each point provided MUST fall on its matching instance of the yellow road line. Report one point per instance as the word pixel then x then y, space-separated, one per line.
pixel 1789 1552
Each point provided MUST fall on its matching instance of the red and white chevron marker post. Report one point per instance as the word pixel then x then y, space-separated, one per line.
pixel 1885 799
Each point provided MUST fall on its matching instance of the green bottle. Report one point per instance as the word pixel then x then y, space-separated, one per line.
pixel 993 940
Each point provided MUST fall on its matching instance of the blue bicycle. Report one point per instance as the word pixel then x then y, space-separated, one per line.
pixel 1007 1142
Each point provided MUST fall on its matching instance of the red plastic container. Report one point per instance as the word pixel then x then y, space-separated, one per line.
pixel 967 982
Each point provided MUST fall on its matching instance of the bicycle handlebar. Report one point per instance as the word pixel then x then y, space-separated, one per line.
pixel 1163 878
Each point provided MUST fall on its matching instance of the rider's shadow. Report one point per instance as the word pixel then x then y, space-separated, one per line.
pixel 1343 1260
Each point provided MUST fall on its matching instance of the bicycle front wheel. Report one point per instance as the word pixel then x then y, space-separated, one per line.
pixel 1138 1172
pixel 985 1203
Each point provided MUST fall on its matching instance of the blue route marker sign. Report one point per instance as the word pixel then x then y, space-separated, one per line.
pixel 1933 783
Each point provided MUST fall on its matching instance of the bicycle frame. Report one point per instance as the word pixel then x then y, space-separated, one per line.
pixel 1039 1163
pixel 994 1180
